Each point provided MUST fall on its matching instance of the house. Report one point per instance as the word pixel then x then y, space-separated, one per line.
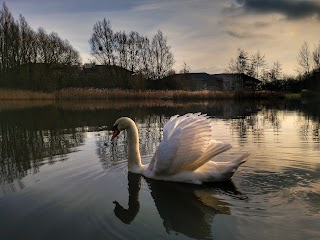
pixel 199 81
pixel 237 81
pixel 218 82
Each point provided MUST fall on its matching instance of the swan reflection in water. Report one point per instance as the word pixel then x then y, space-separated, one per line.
pixel 185 208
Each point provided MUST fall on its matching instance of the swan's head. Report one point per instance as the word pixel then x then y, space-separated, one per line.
pixel 119 125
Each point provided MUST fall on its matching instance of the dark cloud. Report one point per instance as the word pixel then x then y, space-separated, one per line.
pixel 236 34
pixel 292 9
pixel 245 35
pixel 261 24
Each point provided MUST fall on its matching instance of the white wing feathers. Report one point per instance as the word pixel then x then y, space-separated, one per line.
pixel 187 144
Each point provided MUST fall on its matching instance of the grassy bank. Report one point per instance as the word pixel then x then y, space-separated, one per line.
pixel 292 95
pixel 114 94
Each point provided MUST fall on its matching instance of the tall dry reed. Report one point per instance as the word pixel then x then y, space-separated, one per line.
pixel 114 94
pixel 93 93
pixel 11 94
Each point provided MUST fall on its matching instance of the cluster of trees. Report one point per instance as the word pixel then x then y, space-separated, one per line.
pixel 309 67
pixel 25 53
pixel 150 58
pixel 308 61
pixel 255 66
pixel 37 60
pixel 272 76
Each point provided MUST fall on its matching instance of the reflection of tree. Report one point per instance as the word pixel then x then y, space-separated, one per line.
pixel 310 130
pixel 150 134
pixel 23 147
pixel 255 124
pixel 22 150
pixel 111 152
pixel 184 208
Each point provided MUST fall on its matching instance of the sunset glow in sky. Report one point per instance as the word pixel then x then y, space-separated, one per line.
pixel 204 33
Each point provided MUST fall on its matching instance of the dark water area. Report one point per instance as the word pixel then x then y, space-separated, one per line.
pixel 62 178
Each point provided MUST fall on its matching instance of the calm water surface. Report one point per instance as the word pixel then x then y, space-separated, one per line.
pixel 59 181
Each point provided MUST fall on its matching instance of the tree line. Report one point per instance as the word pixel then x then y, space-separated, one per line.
pixel 308 61
pixel 27 56
pixel 39 60
pixel 272 76
pixel 254 66
pixel 309 66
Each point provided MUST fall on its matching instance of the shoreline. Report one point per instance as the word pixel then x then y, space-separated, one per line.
pixel 122 94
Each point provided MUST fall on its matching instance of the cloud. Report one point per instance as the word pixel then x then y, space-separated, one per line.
pixel 291 9
pixel 245 34
pixel 71 6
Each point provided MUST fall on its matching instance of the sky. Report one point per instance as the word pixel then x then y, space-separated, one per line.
pixel 203 33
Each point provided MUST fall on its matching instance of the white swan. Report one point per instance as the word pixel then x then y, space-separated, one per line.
pixel 184 154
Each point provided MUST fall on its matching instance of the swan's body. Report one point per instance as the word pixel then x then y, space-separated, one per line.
pixel 184 154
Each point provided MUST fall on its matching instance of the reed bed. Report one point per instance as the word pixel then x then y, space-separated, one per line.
pixel 23 104
pixel 109 94
pixel 118 94
pixel 111 104
pixel 95 93
pixel 10 94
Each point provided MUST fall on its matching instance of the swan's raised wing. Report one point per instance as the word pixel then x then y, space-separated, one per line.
pixel 185 139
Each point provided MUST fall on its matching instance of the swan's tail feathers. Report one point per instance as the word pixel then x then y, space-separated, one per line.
pixel 233 165
pixel 242 159
pixel 212 151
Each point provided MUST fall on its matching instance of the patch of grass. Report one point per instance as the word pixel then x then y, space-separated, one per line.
pixel 292 95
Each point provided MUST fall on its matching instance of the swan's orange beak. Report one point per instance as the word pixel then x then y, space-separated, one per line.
pixel 115 133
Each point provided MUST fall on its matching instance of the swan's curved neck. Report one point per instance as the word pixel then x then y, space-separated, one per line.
pixel 134 159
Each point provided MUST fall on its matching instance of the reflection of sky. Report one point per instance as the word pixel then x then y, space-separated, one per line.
pixel 205 34
pixel 277 140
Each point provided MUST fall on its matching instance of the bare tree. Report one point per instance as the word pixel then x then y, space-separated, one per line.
pixel 9 40
pixel 240 64
pixel 102 42
pixel 121 49
pixel 275 72
pixel 316 57
pixel 146 61
pixel 304 59
pixel 27 45
pixel 133 50
pixel 258 63
pixel 43 46
pixel 185 68
pixel 69 56
pixel 162 57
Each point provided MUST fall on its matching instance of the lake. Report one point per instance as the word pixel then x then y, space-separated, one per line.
pixel 62 178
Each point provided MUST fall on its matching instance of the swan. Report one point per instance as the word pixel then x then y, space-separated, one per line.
pixel 184 155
